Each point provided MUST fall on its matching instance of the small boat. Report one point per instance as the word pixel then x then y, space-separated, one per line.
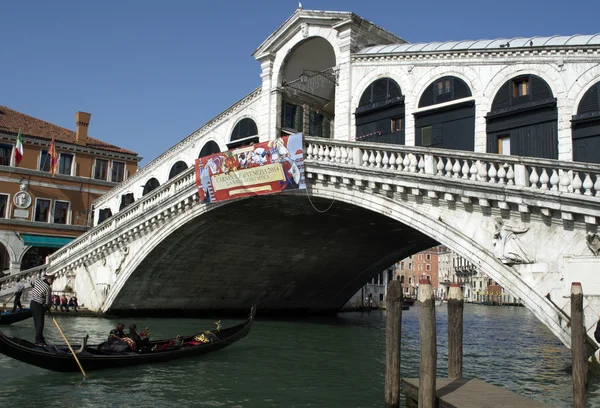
pixel 9 317
pixel 59 357
pixel 409 301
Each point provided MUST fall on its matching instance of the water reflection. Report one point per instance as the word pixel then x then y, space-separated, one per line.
pixel 321 362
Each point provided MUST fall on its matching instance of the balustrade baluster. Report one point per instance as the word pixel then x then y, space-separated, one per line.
pixel 332 153
pixel 406 162
pixel 533 178
pixel 465 169
pixel 378 159
pixel 565 181
pixel 587 185
pixel 320 153
pixel 385 161
pixel 473 170
pixel 576 183
pixel 456 169
pixel 554 180
pixel 309 150
pixel 492 173
pixel 597 185
pixel 483 174
pixel 344 155
pixel 421 165
pixel 440 166
pixel 393 161
pixel 371 159
pixel 413 163
pixel 544 179
pixel 510 176
pixel 501 173
pixel 448 167
pixel 365 158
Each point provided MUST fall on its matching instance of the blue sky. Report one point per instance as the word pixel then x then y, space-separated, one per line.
pixel 151 72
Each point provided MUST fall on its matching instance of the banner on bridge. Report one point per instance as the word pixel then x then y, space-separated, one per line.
pixel 263 168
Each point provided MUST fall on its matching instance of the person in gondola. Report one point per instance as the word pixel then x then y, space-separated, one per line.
pixel 141 342
pixel 18 292
pixel 41 296
pixel 118 332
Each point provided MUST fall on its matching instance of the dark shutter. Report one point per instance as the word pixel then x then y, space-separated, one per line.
pixel 590 101
pixel 502 98
pixel 539 88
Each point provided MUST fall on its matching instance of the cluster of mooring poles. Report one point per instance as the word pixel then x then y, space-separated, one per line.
pixel 428 341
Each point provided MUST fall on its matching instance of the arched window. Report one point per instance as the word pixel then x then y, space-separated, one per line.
pixel 586 127
pixel 209 148
pixel 104 214
pixel 451 126
pixel 243 129
pixel 380 113
pixel 523 119
pixel 150 185
pixel 126 199
pixel 177 168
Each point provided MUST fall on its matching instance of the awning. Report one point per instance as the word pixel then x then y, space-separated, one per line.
pixel 45 241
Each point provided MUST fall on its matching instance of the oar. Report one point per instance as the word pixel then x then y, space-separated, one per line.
pixel 70 348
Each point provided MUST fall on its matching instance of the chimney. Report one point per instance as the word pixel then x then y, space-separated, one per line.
pixel 83 121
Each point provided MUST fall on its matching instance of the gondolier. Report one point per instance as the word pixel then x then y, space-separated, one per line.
pixel 18 292
pixel 40 303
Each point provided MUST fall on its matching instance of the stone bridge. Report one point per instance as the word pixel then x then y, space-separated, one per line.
pixel 530 224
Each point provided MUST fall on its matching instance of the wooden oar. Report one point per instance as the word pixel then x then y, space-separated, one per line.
pixel 70 348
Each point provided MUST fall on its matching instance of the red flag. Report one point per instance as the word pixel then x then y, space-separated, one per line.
pixel 53 158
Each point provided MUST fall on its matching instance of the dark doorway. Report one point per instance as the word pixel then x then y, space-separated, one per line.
pixel 150 185
pixel 177 168
pixel 209 148
pixel 586 127
pixel 126 199
pixel 380 113
pixel 35 256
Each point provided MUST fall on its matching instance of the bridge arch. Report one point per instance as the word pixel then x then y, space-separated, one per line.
pixel 432 222
pixel 245 126
pixel 208 148
pixel 150 184
pixel 178 167
pixel 585 124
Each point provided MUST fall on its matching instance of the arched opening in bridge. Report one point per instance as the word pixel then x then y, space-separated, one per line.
pixel 380 113
pixel 104 214
pixel 177 168
pixel 150 185
pixel 586 127
pixel 211 147
pixel 4 260
pixel 450 126
pixel 244 132
pixel 126 199
pixel 36 256
pixel 308 82
pixel 523 119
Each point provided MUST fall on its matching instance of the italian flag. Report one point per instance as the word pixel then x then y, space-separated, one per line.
pixel 19 149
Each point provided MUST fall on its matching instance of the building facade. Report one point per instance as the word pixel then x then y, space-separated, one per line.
pixel 41 211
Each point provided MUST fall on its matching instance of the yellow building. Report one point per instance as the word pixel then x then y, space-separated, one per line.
pixel 40 211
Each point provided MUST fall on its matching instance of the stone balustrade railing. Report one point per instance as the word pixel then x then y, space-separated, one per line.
pixel 536 174
pixel 8 283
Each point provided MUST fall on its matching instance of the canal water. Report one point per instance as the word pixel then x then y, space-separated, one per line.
pixel 318 362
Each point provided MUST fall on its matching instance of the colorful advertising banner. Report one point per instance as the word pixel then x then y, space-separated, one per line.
pixel 263 168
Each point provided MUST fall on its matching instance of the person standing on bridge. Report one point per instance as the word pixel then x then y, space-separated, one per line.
pixel 18 292
pixel 41 296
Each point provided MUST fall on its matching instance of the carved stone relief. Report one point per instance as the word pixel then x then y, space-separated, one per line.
pixel 508 246
pixel 593 242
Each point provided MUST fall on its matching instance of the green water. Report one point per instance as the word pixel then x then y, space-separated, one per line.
pixel 318 362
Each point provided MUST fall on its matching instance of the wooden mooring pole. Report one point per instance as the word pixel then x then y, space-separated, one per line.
pixel 393 334
pixel 579 362
pixel 455 331
pixel 426 303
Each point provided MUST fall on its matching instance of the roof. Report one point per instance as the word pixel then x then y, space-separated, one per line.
pixel 556 40
pixel 12 121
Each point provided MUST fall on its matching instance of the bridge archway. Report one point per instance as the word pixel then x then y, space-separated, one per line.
pixel 401 227
pixel 177 168
pixel 586 127
pixel 150 185
pixel 209 148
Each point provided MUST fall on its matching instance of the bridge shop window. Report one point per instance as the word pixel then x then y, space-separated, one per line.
pixel 117 173
pixel 380 113
pixel 4 205
pixel 451 125
pixel 150 185
pixel 209 148
pixel 61 212
pixel 243 129
pixel 101 169
pixel 103 215
pixel 42 210
pixel 177 168
pixel 523 119
pixel 586 127
pixel 319 124
pixel 126 200
pixel 65 164
pixel 5 154
pixel 292 117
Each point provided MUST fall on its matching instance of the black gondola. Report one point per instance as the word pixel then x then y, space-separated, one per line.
pixel 10 317
pixel 59 358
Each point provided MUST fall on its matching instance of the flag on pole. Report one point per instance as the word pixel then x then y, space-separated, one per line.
pixel 53 158
pixel 19 148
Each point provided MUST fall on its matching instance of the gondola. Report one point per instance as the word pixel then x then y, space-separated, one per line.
pixel 9 317
pixel 59 358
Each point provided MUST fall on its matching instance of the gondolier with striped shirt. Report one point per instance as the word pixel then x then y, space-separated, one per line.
pixel 41 295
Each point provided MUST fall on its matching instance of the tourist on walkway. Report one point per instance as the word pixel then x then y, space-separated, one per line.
pixel 64 303
pixel 41 296
pixel 18 292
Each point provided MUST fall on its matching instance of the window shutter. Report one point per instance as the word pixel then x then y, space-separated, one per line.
pixel 539 88
pixel 590 102
pixel 298 118
pixel 437 133
pixel 502 98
